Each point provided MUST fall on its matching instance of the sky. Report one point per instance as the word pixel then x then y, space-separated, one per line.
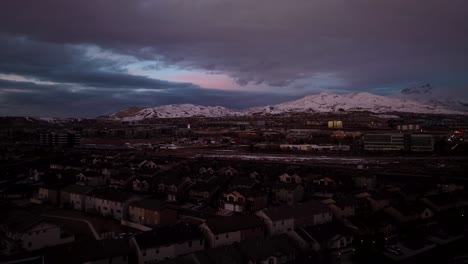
pixel 69 58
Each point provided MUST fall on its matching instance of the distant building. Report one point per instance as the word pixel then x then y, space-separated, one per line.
pixel 409 127
pixel 60 139
pixel 167 242
pixel 399 142
pixel 335 124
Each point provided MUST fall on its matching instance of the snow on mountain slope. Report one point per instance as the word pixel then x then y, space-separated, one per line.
pixel 431 96
pixel 323 102
pixel 173 111
pixel 330 102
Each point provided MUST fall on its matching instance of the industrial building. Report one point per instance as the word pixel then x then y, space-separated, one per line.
pixel 399 142
pixel 60 139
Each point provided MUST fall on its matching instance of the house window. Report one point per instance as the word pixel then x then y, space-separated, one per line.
pixel 157 251
pixel 217 237
pixel 144 253
pixel 282 222
pixel 190 243
pixel 201 241
pixel 271 261
pixel 29 244
pixel 227 235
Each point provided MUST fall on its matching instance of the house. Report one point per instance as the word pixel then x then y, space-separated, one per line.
pixel 244 200
pixel 275 250
pixel 23 231
pixel 152 212
pixel 204 170
pixel 333 237
pixel 204 192
pixel 285 219
pixel 403 214
pixel 167 242
pixel 286 178
pixel 342 206
pixel 175 188
pixel 142 184
pixel 229 172
pixel 122 179
pixel 243 182
pixel 74 196
pixel 220 231
pixel 287 193
pixel 49 194
pixel 91 178
pixel 110 203
pixel 324 181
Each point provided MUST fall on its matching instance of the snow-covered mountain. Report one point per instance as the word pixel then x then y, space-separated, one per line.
pixel 421 90
pixel 173 111
pixel 429 95
pixel 323 102
pixel 331 102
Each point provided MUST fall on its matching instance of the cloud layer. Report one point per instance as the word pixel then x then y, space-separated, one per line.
pixel 284 47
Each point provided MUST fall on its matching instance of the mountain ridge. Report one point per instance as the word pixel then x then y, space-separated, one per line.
pixel 322 102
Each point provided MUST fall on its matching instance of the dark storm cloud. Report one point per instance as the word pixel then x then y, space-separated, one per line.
pixel 68 64
pixel 368 44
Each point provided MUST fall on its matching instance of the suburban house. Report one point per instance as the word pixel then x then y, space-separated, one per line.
pixel 220 231
pixel 152 212
pixel 287 193
pixel 275 250
pixel 285 219
pixel 175 188
pixel 243 182
pixel 111 203
pixel 23 231
pixel 403 214
pixel 286 178
pixel 142 184
pixel 244 200
pixel 74 196
pixel 91 178
pixel 49 194
pixel 204 192
pixel 122 179
pixel 342 206
pixel 332 237
pixel 167 242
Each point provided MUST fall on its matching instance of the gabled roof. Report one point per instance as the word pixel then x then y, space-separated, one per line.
pixel 220 225
pixel 167 235
pixel 111 195
pixel 322 233
pixel 77 189
pixel 296 211
pixel 151 204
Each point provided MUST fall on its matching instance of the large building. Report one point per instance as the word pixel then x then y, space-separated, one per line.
pixel 60 139
pixel 399 142
pixel 335 124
